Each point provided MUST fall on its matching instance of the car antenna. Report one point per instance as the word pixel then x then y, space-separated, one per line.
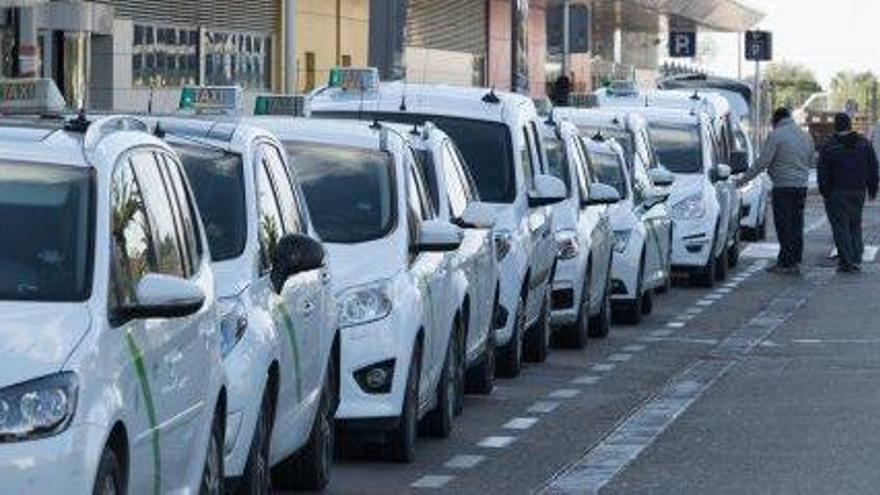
pixel 598 136
pixel 159 131
pixel 80 124
pixel 415 130
pixel 491 97
pixel 695 96
pixel 376 125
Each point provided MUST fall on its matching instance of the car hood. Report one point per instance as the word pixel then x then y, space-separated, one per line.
pixel 686 185
pixel 37 338
pixel 357 264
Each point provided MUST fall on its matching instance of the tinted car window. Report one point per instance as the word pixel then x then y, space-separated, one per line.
pixel 623 137
pixel 166 245
pixel 191 234
pixel 678 147
pixel 486 147
pixel 426 164
pixel 349 191
pixel 283 190
pixel 457 193
pixel 606 167
pixel 270 222
pixel 133 251
pixel 217 182
pixel 46 214
pixel 557 163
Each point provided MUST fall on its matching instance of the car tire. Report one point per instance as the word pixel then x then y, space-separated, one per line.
pixel 630 312
pixel 647 303
pixel 257 478
pixel 402 439
pixel 510 357
pixel 537 342
pixel 600 325
pixel 481 379
pixel 213 473
pixel 734 251
pixel 438 422
pixel 110 479
pixel 722 264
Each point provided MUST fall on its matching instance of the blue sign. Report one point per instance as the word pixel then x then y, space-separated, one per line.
pixel 759 46
pixel 682 44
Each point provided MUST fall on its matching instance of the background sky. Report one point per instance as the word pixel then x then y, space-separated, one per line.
pixel 827 36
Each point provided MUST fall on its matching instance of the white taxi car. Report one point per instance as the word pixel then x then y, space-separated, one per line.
pixel 642 229
pixel 581 297
pixel 473 266
pixel 498 136
pixel 278 318
pixel 755 194
pixel 389 256
pixel 111 378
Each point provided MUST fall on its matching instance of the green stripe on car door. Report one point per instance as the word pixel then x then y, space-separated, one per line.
pixel 284 315
pixel 137 358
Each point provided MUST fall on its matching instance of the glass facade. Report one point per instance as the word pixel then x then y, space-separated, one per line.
pixel 164 56
pixel 237 58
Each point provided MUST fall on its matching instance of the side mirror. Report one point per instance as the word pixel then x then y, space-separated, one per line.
pixel 661 178
pixel 477 215
pixel 739 162
pixel 721 173
pixel 295 253
pixel 437 236
pixel 548 190
pixel 164 296
pixel 602 194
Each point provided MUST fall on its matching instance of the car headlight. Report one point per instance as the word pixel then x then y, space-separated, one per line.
pixel 621 240
pixel 503 243
pixel 567 244
pixel 364 304
pixel 37 409
pixel 233 323
pixel 690 208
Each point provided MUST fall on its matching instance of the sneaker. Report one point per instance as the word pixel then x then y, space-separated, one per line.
pixel 833 255
pixel 784 270
pixel 849 269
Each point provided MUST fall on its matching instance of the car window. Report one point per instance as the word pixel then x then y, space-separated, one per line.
pixel 181 194
pixel 623 137
pixel 270 223
pixel 166 244
pixel 679 147
pixel 46 232
pixel 557 161
pixel 608 168
pixel 177 216
pixel 290 212
pixel 133 254
pixel 217 181
pixel 526 163
pixel 455 186
pixel 464 172
pixel 417 193
pixel 582 173
pixel 349 191
pixel 425 162
pixel 537 140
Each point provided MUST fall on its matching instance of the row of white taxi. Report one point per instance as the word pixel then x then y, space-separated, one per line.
pixel 200 303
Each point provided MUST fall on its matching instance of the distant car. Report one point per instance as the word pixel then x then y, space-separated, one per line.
pixel 755 194
pixel 581 299
pixel 642 229
pixel 278 317
pixel 111 376
pixel 497 134
pixel 400 312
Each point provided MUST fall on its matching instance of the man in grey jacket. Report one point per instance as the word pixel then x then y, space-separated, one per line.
pixel 788 156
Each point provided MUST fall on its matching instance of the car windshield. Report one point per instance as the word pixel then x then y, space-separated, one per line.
pixel 622 136
pixel 217 181
pixel 607 168
pixel 557 161
pixel 349 191
pixel 46 239
pixel 485 146
pixel 678 147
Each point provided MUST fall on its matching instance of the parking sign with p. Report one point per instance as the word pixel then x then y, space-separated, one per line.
pixel 759 46
pixel 682 44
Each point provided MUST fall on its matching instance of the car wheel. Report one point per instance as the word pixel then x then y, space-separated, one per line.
pixel 481 379
pixel 734 251
pixel 438 423
pixel 212 473
pixel 630 312
pixel 110 479
pixel 647 303
pixel 537 344
pixel 721 265
pixel 600 325
pixel 575 336
pixel 510 356
pixel 402 441
pixel 257 479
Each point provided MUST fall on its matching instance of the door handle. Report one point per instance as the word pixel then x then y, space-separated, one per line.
pixel 308 307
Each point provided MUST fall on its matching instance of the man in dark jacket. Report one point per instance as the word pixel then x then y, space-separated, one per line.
pixel 847 170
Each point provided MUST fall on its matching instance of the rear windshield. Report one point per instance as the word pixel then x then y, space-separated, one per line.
pixel 608 170
pixel 557 160
pixel 349 191
pixel 46 238
pixel 217 182
pixel 678 147
pixel 485 146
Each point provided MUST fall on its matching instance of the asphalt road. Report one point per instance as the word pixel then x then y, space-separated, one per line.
pixel 766 384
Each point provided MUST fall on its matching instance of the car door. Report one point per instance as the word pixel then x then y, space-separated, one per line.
pixel 601 236
pixel 722 188
pixel 540 223
pixel 172 350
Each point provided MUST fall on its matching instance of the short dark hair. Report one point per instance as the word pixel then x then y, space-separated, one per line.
pixel 781 114
pixel 842 122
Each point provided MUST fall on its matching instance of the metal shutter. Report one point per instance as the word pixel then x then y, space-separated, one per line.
pixel 233 15
pixel 454 25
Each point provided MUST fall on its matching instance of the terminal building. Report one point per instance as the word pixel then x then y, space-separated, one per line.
pixel 134 55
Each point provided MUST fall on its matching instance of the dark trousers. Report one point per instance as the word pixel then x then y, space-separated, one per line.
pixel 788 216
pixel 844 211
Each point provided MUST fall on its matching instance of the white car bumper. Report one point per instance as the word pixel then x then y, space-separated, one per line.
pixel 65 463
pixel 753 203
pixel 625 273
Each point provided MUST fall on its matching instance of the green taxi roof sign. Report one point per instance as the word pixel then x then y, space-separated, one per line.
pixel 354 78
pixel 211 99
pixel 289 105
pixel 30 97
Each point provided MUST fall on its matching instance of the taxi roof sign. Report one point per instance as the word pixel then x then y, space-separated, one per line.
pixel 31 97
pixel 623 88
pixel 290 105
pixel 354 79
pixel 211 99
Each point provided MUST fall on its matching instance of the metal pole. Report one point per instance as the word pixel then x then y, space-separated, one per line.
pixel 290 73
pixel 758 107
pixel 739 56
pixel 566 36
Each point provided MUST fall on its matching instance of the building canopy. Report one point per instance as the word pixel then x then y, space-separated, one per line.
pixel 721 15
